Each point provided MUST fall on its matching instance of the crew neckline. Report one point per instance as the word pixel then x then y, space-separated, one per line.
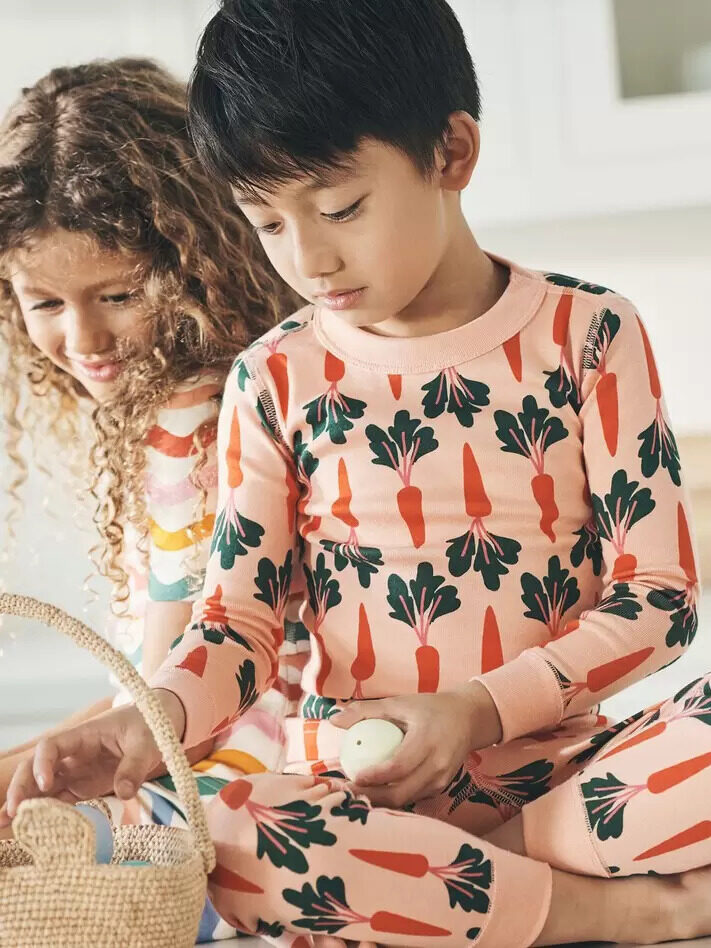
pixel 412 355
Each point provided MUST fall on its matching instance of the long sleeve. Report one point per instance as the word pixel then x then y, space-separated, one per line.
pixel 228 656
pixel 638 539
pixel 180 450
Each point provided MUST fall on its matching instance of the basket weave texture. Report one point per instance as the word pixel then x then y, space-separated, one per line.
pixel 53 893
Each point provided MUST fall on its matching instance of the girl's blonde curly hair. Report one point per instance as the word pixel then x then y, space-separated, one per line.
pixel 103 150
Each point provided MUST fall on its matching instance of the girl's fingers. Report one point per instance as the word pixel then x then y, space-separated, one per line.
pixel 4 817
pixel 51 750
pixel 23 786
pixel 130 774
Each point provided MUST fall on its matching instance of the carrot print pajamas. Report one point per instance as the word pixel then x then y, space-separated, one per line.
pixel 499 502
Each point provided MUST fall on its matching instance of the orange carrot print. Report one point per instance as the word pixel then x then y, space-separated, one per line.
pixel 530 434
pixel 606 389
pixel 663 780
pixel 605 675
pixel 697 833
pixel 491 651
pixel 427 659
pixel 342 506
pixel 476 502
pixel 395 386
pixel 543 489
pixel 640 738
pixel 512 350
pixel 478 549
pixel 334 368
pixel 404 443
pixel 234 453
pixel 364 663
pixel 277 365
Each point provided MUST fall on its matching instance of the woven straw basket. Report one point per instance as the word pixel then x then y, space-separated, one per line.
pixel 52 892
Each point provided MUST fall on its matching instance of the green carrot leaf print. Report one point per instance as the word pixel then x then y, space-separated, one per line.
pixel 284 831
pixel 324 592
pixel 304 461
pixel 451 392
pixel 684 616
pixel 273 584
pixel 405 441
pixel 356 810
pixel 562 389
pixel 247 685
pixel 659 448
pixel 425 600
pixel 334 414
pixel 270 929
pixel 621 602
pixel 608 325
pixel 467 878
pixel 560 279
pixel 549 600
pixel 318 708
pixel 234 534
pixel 535 430
pixel 486 553
pixel 587 546
pixel 239 366
pixel 364 559
pixel 605 801
pixel 324 909
pixel 622 508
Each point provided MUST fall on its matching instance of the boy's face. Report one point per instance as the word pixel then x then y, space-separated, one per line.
pixel 362 242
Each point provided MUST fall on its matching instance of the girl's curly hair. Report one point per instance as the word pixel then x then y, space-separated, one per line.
pixel 103 149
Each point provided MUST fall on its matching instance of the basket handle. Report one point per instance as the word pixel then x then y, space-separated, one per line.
pixel 146 700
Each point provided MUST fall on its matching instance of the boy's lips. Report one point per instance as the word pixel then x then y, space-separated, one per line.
pixel 341 299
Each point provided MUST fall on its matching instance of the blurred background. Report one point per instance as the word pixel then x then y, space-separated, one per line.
pixel 595 162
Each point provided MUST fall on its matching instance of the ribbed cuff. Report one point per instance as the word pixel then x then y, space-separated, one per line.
pixel 555 830
pixel 526 694
pixel 521 902
pixel 200 711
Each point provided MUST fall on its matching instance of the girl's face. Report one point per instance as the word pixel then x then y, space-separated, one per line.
pixel 81 305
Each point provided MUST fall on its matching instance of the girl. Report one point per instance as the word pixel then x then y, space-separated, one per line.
pixel 128 284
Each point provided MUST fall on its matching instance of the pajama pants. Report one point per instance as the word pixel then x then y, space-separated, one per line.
pixel 298 854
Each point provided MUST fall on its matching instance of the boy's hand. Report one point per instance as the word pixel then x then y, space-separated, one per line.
pixel 440 731
pixel 113 752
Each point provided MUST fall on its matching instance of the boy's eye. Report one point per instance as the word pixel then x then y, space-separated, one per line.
pixel 266 229
pixel 347 213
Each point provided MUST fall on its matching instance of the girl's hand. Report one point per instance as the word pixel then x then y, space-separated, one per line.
pixel 440 731
pixel 114 752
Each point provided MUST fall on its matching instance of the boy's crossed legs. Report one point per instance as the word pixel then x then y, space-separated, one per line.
pixel 302 852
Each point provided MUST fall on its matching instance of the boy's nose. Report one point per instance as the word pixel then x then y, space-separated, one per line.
pixel 314 258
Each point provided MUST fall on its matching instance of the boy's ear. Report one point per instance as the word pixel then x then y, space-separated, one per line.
pixel 457 159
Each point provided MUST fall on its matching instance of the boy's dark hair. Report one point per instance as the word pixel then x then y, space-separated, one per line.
pixel 284 88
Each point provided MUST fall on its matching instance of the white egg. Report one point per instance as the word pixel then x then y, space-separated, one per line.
pixel 368 743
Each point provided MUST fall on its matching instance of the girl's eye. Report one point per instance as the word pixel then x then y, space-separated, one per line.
pixel 46 304
pixel 119 298
pixel 346 214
